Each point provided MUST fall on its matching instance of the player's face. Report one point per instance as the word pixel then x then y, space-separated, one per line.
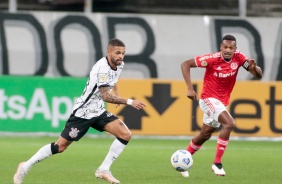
pixel 228 48
pixel 116 55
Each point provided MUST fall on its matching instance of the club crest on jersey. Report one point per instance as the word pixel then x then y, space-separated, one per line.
pixel 234 66
pixel 204 63
pixel 73 133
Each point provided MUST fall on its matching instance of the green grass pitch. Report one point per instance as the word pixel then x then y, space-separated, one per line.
pixel 145 160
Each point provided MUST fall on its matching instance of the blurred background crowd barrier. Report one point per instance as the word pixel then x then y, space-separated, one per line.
pixel 258 8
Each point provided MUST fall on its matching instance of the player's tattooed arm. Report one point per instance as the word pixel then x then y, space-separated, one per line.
pixel 108 97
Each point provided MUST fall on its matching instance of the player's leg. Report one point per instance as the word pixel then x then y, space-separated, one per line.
pixel 209 107
pixel 214 112
pixel 44 152
pixel 228 124
pixel 197 142
pixel 208 128
pixel 75 129
pixel 117 128
pixel 123 135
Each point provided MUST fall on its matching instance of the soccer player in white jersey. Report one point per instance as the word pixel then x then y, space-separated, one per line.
pixel 90 112
pixel 219 79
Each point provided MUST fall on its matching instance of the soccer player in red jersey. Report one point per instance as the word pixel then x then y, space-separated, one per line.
pixel 219 79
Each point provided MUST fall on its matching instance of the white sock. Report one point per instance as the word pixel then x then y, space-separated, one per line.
pixel 115 150
pixel 41 154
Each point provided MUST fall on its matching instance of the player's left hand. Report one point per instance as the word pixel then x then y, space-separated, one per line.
pixel 252 63
pixel 254 69
pixel 138 104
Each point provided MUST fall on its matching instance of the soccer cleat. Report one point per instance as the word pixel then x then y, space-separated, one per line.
pixel 106 175
pixel 19 175
pixel 218 169
pixel 185 174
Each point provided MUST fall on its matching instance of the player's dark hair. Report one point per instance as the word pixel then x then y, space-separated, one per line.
pixel 116 42
pixel 229 37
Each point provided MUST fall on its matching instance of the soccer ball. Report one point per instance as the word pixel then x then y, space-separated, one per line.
pixel 181 160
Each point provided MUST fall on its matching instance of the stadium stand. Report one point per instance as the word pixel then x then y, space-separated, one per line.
pixel 255 8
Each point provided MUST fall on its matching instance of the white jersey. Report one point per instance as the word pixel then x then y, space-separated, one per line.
pixel 90 104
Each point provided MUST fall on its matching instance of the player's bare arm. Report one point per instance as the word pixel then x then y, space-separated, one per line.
pixel 108 97
pixel 115 89
pixel 115 92
pixel 185 68
pixel 254 69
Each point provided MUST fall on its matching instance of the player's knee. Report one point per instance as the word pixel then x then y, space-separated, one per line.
pixel 126 135
pixel 230 125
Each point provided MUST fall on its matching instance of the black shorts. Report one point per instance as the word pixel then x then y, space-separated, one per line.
pixel 76 127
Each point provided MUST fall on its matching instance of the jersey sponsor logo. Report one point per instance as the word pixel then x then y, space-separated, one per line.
pixel 234 66
pixel 73 133
pixel 203 58
pixel 224 75
pixel 91 111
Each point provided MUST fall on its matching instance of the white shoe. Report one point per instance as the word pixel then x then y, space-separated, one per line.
pixel 185 174
pixel 218 169
pixel 19 175
pixel 106 175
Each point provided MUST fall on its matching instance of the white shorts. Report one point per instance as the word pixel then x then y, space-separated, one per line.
pixel 211 108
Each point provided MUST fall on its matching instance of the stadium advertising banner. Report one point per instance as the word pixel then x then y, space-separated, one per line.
pixel 37 104
pixel 256 107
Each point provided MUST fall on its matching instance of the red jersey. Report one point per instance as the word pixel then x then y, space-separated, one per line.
pixel 220 75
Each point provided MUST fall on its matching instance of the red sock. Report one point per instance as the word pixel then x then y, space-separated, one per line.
pixel 220 149
pixel 192 148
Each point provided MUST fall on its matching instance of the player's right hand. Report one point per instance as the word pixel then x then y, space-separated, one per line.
pixel 192 94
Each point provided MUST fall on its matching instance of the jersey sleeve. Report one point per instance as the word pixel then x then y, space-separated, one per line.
pixel 103 78
pixel 203 61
